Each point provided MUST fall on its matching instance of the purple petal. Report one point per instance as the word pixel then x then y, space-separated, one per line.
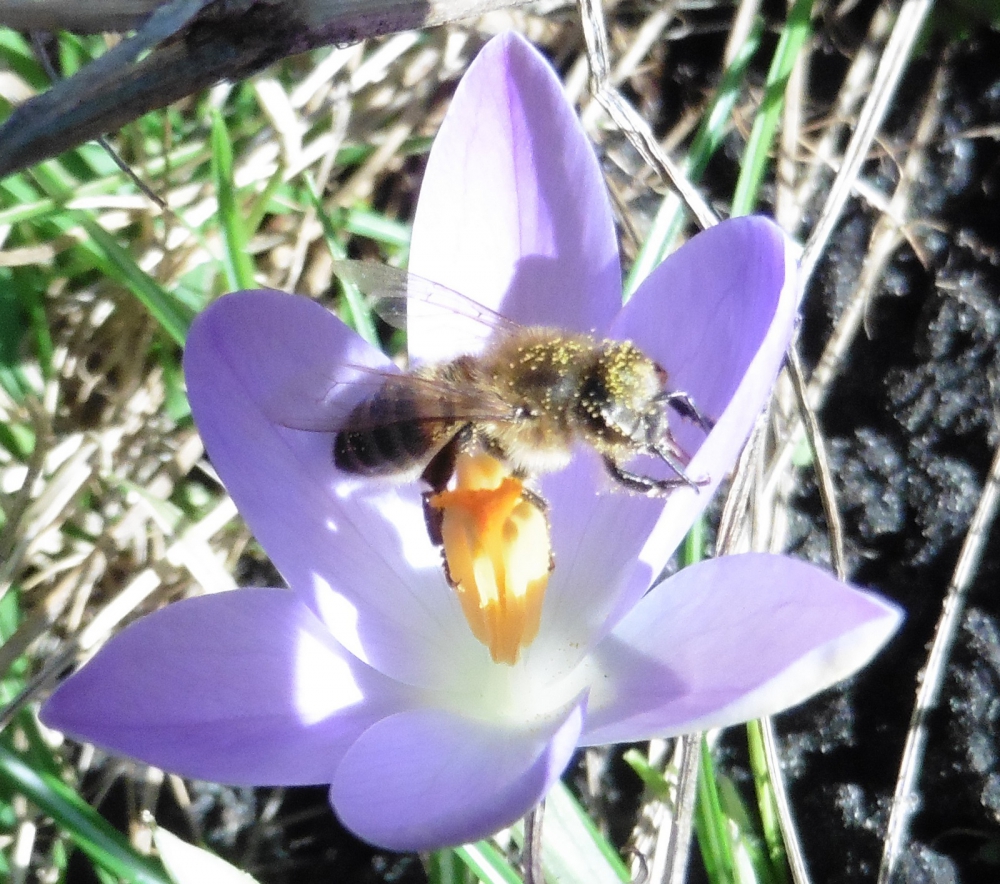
pixel 428 779
pixel 513 210
pixel 722 334
pixel 718 314
pixel 243 687
pixel 729 640
pixel 356 550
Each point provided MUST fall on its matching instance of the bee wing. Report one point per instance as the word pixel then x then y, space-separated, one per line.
pixel 399 297
pixel 325 405
pixel 321 399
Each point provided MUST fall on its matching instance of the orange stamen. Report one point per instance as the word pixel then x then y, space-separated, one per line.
pixel 497 552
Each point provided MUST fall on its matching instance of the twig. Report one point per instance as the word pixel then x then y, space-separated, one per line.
pixel 789 831
pixel 533 845
pixel 72 15
pixel 929 693
pixel 625 117
pixel 885 239
pixel 679 843
pixel 897 53
pixel 11 535
pixel 53 75
pixel 824 477
pixel 231 40
pixel 852 90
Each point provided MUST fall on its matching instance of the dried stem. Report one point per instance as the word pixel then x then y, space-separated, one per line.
pixel 532 855
pixel 929 693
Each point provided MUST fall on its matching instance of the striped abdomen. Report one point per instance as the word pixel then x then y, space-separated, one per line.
pixel 390 433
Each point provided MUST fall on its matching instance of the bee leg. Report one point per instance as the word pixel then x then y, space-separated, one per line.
pixel 684 405
pixel 437 473
pixel 536 500
pixel 671 455
pixel 434 520
pixel 441 467
pixel 646 484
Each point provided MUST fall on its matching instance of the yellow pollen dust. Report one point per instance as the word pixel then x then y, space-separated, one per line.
pixel 497 552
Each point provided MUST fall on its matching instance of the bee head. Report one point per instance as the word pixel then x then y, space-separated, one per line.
pixel 622 396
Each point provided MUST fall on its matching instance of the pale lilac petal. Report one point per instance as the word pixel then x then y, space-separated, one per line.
pixel 357 550
pixel 730 310
pixel 706 317
pixel 718 314
pixel 513 210
pixel 427 779
pixel 243 687
pixel 726 641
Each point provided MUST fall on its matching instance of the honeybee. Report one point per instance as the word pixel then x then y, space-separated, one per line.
pixel 527 399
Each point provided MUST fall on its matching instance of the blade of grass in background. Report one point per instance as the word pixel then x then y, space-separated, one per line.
pixel 371 225
pixel 716 123
pixel 573 851
pixel 749 850
pixel 756 157
pixel 104 844
pixel 15 323
pixel 359 314
pixel 487 863
pixel 711 824
pixel 757 154
pixel 189 864
pixel 767 804
pixel 446 867
pixel 239 267
pixel 111 259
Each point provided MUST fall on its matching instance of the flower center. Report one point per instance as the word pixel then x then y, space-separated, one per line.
pixel 497 554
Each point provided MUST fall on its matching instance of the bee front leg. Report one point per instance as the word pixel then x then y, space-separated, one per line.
pixel 685 406
pixel 668 451
pixel 646 484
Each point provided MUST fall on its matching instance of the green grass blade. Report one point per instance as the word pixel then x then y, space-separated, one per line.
pixel 111 259
pixel 749 850
pixel 119 264
pixel 372 225
pixel 670 217
pixel 487 863
pixel 756 156
pixel 446 867
pixel 572 848
pixel 189 864
pixel 239 267
pixel 766 802
pixel 359 314
pixel 104 844
pixel 711 824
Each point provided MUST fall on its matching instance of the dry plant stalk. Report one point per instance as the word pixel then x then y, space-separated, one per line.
pixel 195 43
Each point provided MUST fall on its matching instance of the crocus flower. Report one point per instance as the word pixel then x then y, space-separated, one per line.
pixel 365 674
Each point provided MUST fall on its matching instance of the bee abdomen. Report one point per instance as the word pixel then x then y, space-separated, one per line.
pixel 385 435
